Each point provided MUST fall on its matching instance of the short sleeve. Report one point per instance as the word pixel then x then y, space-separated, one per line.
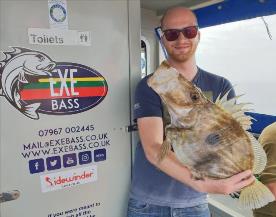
pixel 147 102
pixel 227 86
pixel 213 85
pixel 269 173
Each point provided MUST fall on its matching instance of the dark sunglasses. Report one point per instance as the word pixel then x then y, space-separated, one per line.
pixel 173 34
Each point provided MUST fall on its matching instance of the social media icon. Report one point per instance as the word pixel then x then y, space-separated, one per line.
pixel 69 160
pixel 100 155
pixel 85 157
pixel 36 166
pixel 53 163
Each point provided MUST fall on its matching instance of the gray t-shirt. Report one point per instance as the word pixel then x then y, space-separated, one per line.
pixel 149 184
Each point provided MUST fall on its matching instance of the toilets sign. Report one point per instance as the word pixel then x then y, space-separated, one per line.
pixel 34 83
pixel 59 37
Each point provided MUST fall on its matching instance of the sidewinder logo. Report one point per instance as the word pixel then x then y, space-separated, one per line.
pixel 33 83
pixel 68 178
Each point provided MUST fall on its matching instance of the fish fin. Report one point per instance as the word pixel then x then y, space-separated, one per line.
pixel 164 150
pixel 21 78
pixel 255 196
pixel 166 145
pixel 31 110
pixel 217 101
pixel 245 122
pixel 220 99
pixel 260 158
pixel 237 110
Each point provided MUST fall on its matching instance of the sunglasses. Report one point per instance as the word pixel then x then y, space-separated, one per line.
pixel 173 34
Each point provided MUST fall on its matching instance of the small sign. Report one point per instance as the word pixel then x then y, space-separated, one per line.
pixel 58 37
pixel 58 16
pixel 84 38
pixel 68 178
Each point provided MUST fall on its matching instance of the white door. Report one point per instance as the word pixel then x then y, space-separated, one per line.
pixel 64 106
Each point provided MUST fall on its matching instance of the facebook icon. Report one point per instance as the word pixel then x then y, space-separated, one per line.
pixel 36 166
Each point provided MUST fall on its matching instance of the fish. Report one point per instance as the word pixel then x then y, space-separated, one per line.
pixel 20 65
pixel 210 138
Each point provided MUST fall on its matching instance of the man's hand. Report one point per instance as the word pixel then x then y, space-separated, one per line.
pixel 225 186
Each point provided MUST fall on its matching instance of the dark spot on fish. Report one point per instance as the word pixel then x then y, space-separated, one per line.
pixel 206 162
pixel 212 139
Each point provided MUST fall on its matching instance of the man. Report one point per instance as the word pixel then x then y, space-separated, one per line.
pixel 268 176
pixel 163 189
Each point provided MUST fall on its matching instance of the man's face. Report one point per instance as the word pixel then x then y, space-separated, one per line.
pixel 182 48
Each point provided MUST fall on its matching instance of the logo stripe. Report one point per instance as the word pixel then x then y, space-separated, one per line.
pixel 42 85
pixel 74 79
pixel 32 94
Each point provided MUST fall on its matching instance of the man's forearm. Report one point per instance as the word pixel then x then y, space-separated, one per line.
pixel 172 167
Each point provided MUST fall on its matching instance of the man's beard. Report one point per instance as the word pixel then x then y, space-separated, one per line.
pixel 182 57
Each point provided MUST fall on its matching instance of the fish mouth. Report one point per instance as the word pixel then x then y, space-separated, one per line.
pixel 49 67
pixel 31 72
pixel 43 71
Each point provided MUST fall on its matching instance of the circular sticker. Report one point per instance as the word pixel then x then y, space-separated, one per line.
pixel 58 13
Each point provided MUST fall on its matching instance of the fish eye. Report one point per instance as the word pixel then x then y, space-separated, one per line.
pixel 194 96
pixel 40 57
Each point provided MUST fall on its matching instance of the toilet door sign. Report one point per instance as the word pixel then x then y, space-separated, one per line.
pixel 58 16
pixel 59 37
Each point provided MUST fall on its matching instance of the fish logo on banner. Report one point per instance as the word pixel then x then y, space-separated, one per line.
pixel 33 83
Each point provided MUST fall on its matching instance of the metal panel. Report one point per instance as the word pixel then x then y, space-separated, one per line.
pixel 135 58
pixel 109 55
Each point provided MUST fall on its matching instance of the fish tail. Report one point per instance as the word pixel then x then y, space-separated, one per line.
pixel 31 110
pixel 255 196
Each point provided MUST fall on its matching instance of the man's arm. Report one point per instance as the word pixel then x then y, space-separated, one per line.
pixel 151 135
